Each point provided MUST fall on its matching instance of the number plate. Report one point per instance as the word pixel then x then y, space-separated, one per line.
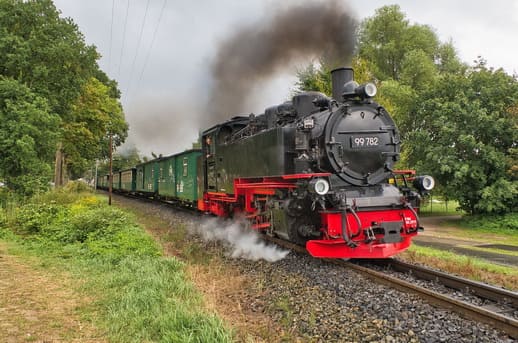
pixel 359 142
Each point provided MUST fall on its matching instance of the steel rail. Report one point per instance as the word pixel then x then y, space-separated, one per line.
pixel 498 321
pixel 480 314
pixel 479 289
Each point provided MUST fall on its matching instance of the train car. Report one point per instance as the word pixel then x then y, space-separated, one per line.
pixel 102 181
pixel 167 178
pixel 315 171
pixel 147 178
pixel 186 178
pixel 116 185
pixel 128 180
pixel 178 177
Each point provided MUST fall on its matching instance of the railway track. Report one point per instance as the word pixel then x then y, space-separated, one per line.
pixel 492 315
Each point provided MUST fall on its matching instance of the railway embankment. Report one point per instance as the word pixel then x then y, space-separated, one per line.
pixel 299 298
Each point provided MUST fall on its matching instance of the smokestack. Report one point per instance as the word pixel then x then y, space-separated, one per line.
pixel 339 77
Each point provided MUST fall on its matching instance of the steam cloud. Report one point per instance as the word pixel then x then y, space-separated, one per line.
pixel 242 243
pixel 258 51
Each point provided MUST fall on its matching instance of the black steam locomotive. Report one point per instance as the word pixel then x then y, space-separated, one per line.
pixel 316 171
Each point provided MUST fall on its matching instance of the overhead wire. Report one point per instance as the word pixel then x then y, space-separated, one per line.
pixel 123 39
pixel 111 38
pixel 151 46
pixel 132 69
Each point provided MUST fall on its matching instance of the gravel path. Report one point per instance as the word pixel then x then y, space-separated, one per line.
pixel 318 302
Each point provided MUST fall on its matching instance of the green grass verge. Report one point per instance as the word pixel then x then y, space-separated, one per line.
pixel 489 229
pixel 490 250
pixel 463 261
pixel 139 295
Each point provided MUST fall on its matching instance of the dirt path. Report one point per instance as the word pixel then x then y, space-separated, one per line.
pixel 37 307
pixel 440 236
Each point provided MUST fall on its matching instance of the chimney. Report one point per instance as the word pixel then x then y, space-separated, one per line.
pixel 339 77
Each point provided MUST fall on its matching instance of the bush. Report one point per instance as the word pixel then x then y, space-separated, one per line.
pixel 99 229
pixel 503 222
pixel 35 218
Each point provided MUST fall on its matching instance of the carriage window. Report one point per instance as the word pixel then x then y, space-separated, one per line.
pixel 185 165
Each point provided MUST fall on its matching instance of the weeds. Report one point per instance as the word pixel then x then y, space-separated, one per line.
pixel 141 296
pixel 466 266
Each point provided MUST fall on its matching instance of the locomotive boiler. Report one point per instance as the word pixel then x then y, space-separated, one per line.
pixel 316 171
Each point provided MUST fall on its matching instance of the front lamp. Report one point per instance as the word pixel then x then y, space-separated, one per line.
pixel 424 183
pixel 319 186
pixel 367 90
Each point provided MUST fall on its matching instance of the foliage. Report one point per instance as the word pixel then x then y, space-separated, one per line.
pixel 95 113
pixel 495 223
pixel 48 55
pixel 465 133
pixel 392 45
pixel 457 123
pixel 45 52
pixel 28 133
pixel 121 161
pixel 139 295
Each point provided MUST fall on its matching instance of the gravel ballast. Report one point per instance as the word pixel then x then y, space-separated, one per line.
pixel 318 302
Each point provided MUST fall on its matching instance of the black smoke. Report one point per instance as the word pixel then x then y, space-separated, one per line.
pixel 258 51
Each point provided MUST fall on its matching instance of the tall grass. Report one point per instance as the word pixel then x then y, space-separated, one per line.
pixel 141 296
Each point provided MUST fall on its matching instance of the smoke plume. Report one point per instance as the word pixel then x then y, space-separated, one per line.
pixel 241 242
pixel 256 52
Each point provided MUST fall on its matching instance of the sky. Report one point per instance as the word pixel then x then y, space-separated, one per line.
pixel 160 52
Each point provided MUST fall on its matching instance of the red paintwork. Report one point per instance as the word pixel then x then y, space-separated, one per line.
pixel 332 221
pixel 338 249
pixel 334 246
pixel 249 190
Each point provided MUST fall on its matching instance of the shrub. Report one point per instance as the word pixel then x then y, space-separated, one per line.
pixel 35 218
pixel 504 222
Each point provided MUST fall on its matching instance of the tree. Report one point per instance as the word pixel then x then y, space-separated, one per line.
pixel 28 132
pixel 122 160
pixel 45 52
pixel 459 124
pixel 48 54
pixel 94 115
pixel 466 135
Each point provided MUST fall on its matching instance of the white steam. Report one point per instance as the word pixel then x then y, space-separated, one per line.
pixel 241 242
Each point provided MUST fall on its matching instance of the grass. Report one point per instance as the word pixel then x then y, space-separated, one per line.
pixel 466 266
pixel 137 294
pixel 490 233
pixel 490 250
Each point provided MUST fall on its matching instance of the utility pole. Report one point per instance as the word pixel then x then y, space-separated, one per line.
pixel 110 178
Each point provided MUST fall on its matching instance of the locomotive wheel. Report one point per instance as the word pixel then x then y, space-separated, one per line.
pixel 302 226
pixel 294 224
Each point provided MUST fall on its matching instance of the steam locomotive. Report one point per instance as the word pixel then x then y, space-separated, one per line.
pixel 315 170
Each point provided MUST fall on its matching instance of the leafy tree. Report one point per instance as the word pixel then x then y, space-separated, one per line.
pixel 126 159
pixel 44 51
pixel 48 54
pixel 387 38
pixel 94 115
pixel 28 132
pixel 466 134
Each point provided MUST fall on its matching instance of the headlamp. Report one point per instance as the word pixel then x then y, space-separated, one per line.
pixel 319 186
